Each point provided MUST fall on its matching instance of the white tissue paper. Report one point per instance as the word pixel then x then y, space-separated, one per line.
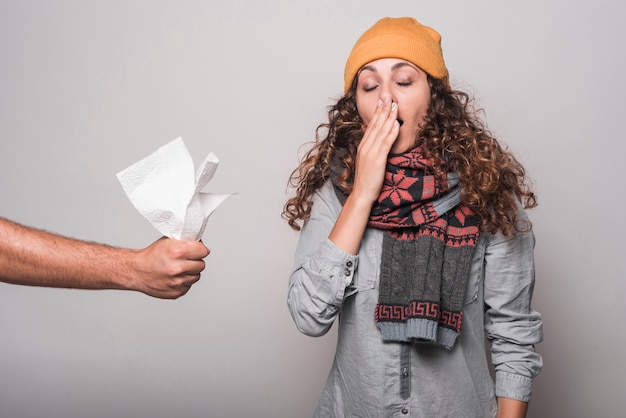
pixel 165 190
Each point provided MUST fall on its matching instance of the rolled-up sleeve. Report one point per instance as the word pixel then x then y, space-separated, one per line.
pixel 512 326
pixel 323 273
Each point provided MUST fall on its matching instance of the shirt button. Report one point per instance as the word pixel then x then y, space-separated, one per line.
pixel 405 372
pixel 347 272
pixel 405 411
pixel 349 264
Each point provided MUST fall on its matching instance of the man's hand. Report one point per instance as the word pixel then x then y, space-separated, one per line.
pixel 168 268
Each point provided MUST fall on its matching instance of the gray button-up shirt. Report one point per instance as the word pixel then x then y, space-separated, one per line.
pixel 371 378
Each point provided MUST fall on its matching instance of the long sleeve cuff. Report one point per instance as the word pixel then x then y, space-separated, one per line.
pixel 338 267
pixel 513 386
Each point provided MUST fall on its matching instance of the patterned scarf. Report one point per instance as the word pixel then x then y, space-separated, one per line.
pixel 426 255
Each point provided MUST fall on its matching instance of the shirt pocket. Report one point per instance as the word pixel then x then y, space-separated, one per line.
pixel 476 272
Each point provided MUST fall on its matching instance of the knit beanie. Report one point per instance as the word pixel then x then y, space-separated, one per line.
pixel 404 38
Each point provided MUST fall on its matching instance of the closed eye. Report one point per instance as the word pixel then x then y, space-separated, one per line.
pixel 370 88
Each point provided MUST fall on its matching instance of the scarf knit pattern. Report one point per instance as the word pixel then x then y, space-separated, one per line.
pixel 426 252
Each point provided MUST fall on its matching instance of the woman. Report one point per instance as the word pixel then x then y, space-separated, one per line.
pixel 415 238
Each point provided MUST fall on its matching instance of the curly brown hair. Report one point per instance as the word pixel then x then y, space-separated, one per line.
pixel 452 135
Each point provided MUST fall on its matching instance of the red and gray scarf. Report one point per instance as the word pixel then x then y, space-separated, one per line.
pixel 426 254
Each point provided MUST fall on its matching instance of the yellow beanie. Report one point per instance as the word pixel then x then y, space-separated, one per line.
pixel 403 38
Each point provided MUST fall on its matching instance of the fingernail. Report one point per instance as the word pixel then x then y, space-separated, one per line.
pixel 380 103
pixel 393 105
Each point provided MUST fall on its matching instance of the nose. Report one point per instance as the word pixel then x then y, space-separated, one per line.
pixel 386 91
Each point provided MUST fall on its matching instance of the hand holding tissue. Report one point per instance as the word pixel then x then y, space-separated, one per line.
pixel 165 190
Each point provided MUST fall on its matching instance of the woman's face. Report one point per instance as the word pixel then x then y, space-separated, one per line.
pixel 406 85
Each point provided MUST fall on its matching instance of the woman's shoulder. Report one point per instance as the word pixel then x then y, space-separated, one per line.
pixel 327 191
pixel 325 198
pixel 523 230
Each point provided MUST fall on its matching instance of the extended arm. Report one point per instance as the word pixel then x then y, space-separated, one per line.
pixel 166 269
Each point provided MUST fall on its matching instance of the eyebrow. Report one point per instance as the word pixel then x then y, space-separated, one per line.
pixel 393 67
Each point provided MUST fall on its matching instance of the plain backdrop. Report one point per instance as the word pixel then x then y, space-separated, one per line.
pixel 87 88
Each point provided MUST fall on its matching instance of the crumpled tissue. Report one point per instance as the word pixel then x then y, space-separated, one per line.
pixel 165 190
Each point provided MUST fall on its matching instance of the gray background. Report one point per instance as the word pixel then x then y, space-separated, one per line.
pixel 88 88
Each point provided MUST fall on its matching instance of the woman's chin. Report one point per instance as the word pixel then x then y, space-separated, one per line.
pixel 402 144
